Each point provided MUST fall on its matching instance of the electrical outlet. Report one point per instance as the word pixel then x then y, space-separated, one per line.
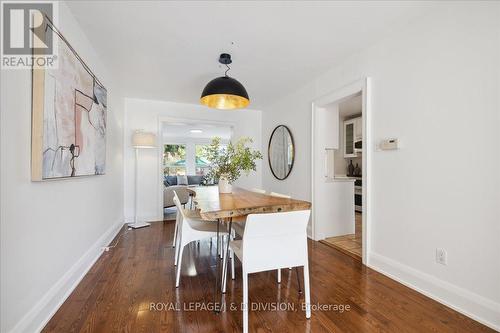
pixel 441 256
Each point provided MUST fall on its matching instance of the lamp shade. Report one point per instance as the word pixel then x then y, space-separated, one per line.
pixel 142 139
pixel 224 93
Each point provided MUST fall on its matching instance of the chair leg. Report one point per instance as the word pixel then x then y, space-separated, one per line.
pixel 298 279
pixel 220 247
pixel 307 291
pixel 232 265
pixel 177 248
pixel 245 302
pixel 231 253
pixel 176 229
pixel 231 238
pixel 179 266
pixel 279 275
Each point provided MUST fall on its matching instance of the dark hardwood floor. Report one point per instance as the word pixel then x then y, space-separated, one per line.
pixel 117 293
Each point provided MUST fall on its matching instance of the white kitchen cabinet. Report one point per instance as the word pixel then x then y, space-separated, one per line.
pixel 358 129
pixel 353 131
pixel 349 131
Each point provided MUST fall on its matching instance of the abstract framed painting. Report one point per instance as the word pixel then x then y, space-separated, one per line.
pixel 69 106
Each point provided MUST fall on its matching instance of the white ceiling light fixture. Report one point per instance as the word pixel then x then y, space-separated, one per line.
pixel 196 130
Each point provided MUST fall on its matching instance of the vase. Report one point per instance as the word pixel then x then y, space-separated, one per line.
pixel 350 169
pixel 224 185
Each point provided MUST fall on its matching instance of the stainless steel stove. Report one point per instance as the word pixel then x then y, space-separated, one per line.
pixel 358 194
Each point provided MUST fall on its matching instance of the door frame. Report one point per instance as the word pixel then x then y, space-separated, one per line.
pixel 363 86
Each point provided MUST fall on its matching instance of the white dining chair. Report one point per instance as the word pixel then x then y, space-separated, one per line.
pixel 192 228
pixel 178 216
pixel 176 228
pixel 240 227
pixel 279 195
pixel 272 241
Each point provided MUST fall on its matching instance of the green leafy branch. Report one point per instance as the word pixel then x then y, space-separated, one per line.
pixel 232 160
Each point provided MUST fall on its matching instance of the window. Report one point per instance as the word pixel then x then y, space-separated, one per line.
pixel 174 159
pixel 202 164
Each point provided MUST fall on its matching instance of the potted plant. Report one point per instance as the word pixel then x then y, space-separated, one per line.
pixel 227 163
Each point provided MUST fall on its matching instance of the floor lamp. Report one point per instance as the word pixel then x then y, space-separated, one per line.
pixel 140 140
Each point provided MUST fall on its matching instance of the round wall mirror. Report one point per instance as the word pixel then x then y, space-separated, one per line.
pixel 281 152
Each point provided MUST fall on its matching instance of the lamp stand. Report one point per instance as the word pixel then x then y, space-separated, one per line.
pixel 137 224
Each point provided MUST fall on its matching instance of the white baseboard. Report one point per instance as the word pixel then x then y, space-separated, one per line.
pixel 152 218
pixel 477 307
pixel 40 314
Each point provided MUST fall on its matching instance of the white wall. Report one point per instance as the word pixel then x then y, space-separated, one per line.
pixel 436 86
pixel 51 231
pixel 146 115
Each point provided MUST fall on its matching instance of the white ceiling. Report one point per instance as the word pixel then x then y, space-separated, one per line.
pixel 181 130
pixel 168 50
pixel 351 106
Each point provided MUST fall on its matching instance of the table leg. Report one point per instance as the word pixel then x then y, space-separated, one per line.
pixel 226 258
pixel 216 291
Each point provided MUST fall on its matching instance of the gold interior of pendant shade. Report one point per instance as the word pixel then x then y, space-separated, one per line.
pixel 224 101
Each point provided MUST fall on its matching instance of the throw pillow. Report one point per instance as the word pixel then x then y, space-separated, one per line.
pixel 182 180
pixel 171 180
pixel 195 180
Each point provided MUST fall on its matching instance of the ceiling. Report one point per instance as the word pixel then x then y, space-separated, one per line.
pixel 351 106
pixel 168 50
pixel 182 130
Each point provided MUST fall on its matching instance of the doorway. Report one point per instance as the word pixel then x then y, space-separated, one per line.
pixel 183 163
pixel 340 177
pixel 347 165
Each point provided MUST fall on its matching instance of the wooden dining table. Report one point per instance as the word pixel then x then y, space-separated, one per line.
pixel 213 205
pixel 223 207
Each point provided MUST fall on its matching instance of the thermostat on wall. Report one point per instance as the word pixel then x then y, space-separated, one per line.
pixel 389 144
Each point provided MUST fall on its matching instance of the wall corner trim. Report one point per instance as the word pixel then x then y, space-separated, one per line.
pixel 477 307
pixel 40 314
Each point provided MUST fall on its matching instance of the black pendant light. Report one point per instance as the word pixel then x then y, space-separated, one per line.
pixel 225 92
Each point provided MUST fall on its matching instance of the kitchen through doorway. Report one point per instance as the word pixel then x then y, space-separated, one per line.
pixel 341 165
pixel 348 161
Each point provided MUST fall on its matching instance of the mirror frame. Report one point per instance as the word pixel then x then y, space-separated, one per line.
pixel 269 154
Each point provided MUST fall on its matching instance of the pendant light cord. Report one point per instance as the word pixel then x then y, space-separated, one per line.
pixel 227 70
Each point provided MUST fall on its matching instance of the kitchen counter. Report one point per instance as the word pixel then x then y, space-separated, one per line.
pixel 343 178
